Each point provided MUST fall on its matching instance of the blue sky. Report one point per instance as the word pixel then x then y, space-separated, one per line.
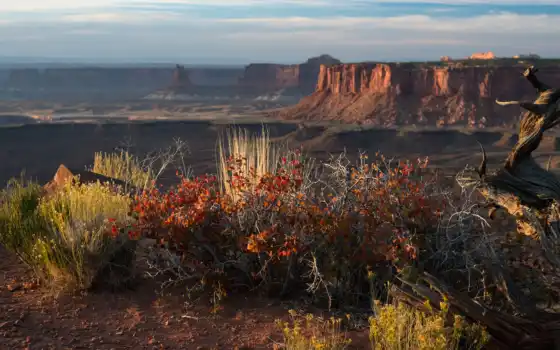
pixel 286 31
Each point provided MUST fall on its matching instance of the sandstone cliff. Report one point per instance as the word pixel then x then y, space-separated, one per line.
pixel 309 71
pixel 264 77
pixel 268 77
pixel 483 56
pixel 393 95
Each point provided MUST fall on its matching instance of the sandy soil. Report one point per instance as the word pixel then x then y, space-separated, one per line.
pixel 33 318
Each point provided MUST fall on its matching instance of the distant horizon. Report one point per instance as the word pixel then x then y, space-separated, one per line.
pixel 45 61
pixel 277 31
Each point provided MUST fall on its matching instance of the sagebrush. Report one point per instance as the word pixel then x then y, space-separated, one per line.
pixel 70 236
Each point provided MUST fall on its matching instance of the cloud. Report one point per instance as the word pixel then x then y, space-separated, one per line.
pixel 498 23
pixel 271 30
pixel 40 5
pixel 115 17
pixel 471 2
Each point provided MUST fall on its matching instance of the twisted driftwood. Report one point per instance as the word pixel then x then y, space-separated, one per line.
pixel 532 195
pixel 523 188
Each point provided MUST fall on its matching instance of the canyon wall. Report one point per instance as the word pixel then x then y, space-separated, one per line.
pixel 265 77
pixel 90 78
pixel 254 80
pixel 393 95
pixel 109 83
pixel 301 78
pixel 309 71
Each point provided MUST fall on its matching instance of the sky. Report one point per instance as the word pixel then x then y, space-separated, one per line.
pixel 282 31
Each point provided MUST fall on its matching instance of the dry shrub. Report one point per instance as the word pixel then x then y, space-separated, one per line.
pixel 122 166
pixel 313 333
pixel 297 223
pixel 398 326
pixel 255 156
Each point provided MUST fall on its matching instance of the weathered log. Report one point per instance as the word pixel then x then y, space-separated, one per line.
pixel 531 194
pixel 522 187
pixel 507 331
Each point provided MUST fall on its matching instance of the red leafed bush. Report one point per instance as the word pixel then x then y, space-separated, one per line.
pixel 324 225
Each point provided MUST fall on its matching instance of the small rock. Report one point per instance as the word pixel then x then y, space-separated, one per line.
pixel 14 287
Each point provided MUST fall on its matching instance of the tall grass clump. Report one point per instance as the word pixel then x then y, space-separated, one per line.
pixel 254 156
pixel 20 222
pixel 72 238
pixel 83 223
pixel 400 327
pixel 313 333
pixel 122 166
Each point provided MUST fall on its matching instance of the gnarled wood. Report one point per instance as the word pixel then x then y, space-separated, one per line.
pixel 532 195
pixel 521 186
pixel 508 332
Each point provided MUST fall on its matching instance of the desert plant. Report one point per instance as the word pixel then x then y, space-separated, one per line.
pixel 122 166
pixel 20 222
pixel 400 327
pixel 71 237
pixel 321 225
pixel 85 224
pixel 254 155
pixel 313 333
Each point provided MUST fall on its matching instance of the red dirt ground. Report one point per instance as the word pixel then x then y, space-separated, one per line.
pixel 32 318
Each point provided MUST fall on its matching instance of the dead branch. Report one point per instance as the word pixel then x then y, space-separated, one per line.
pixel 508 331
pixel 529 193
pixel 521 186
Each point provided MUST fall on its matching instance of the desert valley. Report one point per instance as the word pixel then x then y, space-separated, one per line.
pixel 435 109
pixel 316 205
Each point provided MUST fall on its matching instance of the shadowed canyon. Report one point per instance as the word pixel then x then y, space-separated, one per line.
pixel 436 109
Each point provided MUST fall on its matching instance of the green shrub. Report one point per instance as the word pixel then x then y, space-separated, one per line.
pixel 20 223
pixel 84 222
pixel 70 238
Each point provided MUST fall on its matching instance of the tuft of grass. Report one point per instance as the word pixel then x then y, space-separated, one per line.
pixel 20 222
pixel 257 154
pixel 122 166
pixel 71 237
pixel 82 222
pixel 313 333
pixel 400 327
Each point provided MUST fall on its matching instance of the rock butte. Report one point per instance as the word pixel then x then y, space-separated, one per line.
pixel 395 95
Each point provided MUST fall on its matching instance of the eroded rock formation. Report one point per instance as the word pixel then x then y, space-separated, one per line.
pixel 393 94
pixel 483 56
pixel 56 78
pixel 271 77
pixel 181 80
pixel 309 71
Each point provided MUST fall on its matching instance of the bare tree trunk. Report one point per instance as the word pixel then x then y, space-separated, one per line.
pixel 521 186
pixel 532 195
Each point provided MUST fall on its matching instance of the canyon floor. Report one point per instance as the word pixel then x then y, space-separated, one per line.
pixel 140 318
pixel 80 129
